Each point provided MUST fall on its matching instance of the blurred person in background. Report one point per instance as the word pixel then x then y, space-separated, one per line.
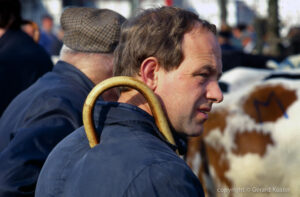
pixel 22 61
pixel 48 38
pixel 32 29
pixel 237 32
pixel 291 51
pixel 225 38
pixel 232 41
pixel 293 38
pixel 41 116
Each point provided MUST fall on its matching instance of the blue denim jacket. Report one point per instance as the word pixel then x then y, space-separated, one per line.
pixel 35 122
pixel 132 159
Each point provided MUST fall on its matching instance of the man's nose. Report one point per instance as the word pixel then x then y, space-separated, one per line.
pixel 214 92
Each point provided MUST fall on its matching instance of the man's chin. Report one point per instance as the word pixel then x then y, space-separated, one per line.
pixel 195 132
pixel 189 132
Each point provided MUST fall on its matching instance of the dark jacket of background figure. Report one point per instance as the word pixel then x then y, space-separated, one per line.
pixel 35 122
pixel 22 62
pixel 232 59
pixel 50 42
pixel 132 159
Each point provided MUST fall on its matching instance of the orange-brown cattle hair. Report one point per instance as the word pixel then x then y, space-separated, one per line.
pixel 268 103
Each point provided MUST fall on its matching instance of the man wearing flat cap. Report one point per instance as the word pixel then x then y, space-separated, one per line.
pixel 41 116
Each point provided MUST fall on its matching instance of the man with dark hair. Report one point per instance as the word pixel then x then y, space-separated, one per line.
pixel 22 61
pixel 41 116
pixel 32 29
pixel 176 55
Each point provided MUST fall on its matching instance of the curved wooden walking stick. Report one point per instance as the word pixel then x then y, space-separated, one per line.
pixel 154 104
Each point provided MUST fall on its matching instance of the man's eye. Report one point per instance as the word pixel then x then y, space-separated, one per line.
pixel 204 75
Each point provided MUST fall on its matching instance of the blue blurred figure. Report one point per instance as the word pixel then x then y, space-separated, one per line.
pixel 48 38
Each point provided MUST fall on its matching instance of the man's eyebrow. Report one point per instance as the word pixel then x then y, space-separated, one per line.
pixel 207 68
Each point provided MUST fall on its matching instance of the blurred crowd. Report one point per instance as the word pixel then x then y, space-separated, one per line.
pixel 45 35
pixel 248 43
pixel 245 45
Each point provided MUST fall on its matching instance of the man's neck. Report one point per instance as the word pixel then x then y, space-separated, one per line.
pixel 94 67
pixel 133 97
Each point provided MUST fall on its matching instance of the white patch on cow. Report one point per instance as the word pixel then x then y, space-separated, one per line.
pixel 196 162
pixel 215 139
pixel 241 77
pixel 254 174
pixel 286 135
pixel 245 169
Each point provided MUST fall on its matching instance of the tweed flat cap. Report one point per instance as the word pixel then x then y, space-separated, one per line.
pixel 91 30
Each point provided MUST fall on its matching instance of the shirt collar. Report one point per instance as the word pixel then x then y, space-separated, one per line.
pixel 113 112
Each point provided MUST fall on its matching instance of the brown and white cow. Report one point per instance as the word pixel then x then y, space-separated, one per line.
pixel 251 141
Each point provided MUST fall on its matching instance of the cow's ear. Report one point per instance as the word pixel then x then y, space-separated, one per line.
pixel 148 72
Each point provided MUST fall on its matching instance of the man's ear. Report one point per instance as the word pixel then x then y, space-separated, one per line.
pixel 148 71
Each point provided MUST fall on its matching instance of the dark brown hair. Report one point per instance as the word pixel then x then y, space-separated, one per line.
pixel 156 32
